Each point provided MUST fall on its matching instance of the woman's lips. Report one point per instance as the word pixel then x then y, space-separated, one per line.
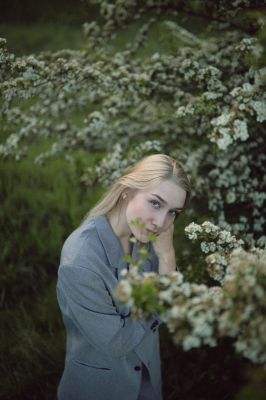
pixel 154 233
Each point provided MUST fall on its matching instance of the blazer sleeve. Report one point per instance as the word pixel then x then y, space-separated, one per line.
pixel 85 300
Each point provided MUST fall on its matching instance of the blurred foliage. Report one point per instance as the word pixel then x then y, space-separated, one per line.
pixel 39 208
pixel 30 26
pixel 256 388
pixel 201 374
pixel 189 257
pixel 32 345
pixel 30 11
pixel 28 39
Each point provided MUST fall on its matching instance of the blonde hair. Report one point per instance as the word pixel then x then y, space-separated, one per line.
pixel 145 173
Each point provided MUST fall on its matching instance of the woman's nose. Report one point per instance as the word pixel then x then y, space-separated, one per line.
pixel 159 221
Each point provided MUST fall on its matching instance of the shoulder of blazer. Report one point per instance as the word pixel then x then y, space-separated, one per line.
pixel 82 246
pixel 93 242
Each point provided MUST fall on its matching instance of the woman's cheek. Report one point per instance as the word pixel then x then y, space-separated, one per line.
pixel 143 212
pixel 167 225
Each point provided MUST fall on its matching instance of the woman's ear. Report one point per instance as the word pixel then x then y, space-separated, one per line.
pixel 128 194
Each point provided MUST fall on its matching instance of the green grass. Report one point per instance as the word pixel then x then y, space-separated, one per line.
pixel 40 207
pixel 27 39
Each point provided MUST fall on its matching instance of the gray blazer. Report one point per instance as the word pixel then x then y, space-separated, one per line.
pixel 105 348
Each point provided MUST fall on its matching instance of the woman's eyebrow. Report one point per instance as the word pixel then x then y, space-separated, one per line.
pixel 164 201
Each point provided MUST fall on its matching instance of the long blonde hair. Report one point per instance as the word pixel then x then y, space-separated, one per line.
pixel 145 173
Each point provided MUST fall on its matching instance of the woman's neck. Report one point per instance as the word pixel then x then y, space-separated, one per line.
pixel 118 222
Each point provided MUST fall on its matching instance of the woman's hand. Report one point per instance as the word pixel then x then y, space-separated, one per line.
pixel 164 249
pixel 164 242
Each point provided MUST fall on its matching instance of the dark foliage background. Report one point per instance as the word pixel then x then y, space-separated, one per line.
pixel 39 207
pixel 30 11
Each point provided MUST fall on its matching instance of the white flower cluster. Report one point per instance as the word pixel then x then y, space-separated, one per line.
pixel 187 314
pixel 217 243
pixel 110 167
pixel 259 107
pixel 197 315
pixel 193 230
pixel 228 130
pixel 237 185
pixel 244 302
pixel 232 125
pixel 211 231
pixel 115 164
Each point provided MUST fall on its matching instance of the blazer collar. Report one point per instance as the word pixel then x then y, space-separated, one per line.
pixel 113 247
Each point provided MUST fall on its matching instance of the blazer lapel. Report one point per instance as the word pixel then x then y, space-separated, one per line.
pixel 114 250
pixel 146 266
pixel 112 246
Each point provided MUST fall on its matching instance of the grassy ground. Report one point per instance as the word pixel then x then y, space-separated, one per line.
pixel 27 39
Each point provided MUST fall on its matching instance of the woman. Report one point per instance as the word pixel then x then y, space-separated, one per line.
pixel 109 355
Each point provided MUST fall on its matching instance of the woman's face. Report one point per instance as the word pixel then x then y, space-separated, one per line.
pixel 156 209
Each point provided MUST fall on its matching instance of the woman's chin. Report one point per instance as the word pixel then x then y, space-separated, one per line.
pixel 142 237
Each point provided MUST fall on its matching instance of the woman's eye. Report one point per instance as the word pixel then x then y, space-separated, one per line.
pixel 155 203
pixel 174 214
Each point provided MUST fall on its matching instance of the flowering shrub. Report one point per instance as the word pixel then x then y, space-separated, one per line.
pixel 196 314
pixel 215 242
pixel 201 95
pixel 243 303
pixel 115 163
